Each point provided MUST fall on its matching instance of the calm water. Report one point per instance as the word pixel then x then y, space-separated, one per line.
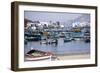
pixel 61 48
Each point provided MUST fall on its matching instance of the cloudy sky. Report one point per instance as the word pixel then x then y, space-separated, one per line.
pixel 63 17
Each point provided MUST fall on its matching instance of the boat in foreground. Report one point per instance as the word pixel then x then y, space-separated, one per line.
pixel 37 55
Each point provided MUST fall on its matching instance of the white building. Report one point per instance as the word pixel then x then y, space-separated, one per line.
pixel 42 25
pixel 80 24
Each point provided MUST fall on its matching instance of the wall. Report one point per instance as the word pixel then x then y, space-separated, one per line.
pixel 5 40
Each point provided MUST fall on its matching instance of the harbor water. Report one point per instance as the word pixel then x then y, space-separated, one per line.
pixel 61 48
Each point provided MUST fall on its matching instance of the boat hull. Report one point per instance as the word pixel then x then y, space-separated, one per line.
pixel 37 55
pixel 45 58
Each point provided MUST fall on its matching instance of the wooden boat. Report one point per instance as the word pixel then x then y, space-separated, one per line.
pixel 37 55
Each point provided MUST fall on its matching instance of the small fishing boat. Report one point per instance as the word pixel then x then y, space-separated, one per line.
pixel 87 36
pixel 33 39
pixel 87 40
pixel 67 39
pixel 25 41
pixel 37 55
pixel 43 42
pixel 49 41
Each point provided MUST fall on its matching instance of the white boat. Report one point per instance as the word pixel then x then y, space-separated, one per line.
pixel 48 58
pixel 36 55
pixel 49 41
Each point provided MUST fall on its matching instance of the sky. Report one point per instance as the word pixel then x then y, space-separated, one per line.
pixel 63 17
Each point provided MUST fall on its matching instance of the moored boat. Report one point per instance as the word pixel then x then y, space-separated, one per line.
pixel 49 41
pixel 87 40
pixel 67 39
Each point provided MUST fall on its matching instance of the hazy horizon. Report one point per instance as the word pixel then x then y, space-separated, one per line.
pixel 63 17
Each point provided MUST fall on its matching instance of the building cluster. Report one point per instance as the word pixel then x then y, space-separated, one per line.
pixel 38 25
pixel 80 24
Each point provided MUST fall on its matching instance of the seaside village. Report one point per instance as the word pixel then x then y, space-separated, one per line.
pixel 49 32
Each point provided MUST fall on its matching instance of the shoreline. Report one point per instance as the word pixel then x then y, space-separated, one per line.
pixel 73 56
